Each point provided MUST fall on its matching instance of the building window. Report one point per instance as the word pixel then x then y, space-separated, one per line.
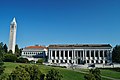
pixel 92 61
pixel 65 61
pixel 88 55
pixel 75 53
pixel 101 53
pixel 105 53
pixel 78 53
pixel 96 61
pixel 81 53
pixel 105 61
pixel 61 53
pixel 87 61
pixel 57 61
pixel 70 53
pixel 61 61
pixel 101 61
pixel 70 61
pixel 53 53
pixel 92 53
pixel 52 61
pixel 96 53
pixel 57 53
pixel 66 53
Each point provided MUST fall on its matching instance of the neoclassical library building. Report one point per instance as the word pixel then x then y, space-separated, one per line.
pixel 80 53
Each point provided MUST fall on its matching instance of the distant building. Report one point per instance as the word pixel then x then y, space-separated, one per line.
pixel 34 52
pixel 12 38
pixel 80 54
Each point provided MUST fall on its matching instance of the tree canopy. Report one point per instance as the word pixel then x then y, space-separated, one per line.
pixel 94 74
pixel 53 74
pixel 116 54
pixel 26 73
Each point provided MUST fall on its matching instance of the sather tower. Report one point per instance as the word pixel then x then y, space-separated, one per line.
pixel 12 38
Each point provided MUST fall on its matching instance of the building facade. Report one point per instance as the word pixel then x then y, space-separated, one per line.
pixel 34 52
pixel 12 38
pixel 80 54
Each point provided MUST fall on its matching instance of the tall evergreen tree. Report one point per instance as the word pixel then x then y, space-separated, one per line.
pixel 5 48
pixel 116 54
pixel 17 50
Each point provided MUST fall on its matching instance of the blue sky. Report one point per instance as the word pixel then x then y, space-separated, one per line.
pixel 47 22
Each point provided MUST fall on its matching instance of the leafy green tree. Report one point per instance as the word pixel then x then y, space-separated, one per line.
pixel 116 54
pixel 94 74
pixel 34 72
pixel 10 58
pixel 40 61
pixel 1 50
pixel 89 77
pixel 19 74
pixel 2 68
pixel 22 60
pixel 53 75
pixel 1 58
pixel 26 73
pixel 10 52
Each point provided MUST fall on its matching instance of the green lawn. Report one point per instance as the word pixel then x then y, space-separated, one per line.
pixel 111 73
pixel 67 74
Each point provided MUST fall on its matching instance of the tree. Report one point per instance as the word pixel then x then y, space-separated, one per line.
pixel 5 48
pixel 19 74
pixel 2 68
pixel 116 54
pixel 53 75
pixel 17 50
pixel 34 72
pixel 26 73
pixel 1 58
pixel 40 61
pixel 94 74
pixel 10 52
pixel 9 58
pixel 22 60
pixel 1 50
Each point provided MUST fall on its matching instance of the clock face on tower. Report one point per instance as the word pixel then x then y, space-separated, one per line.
pixel 12 27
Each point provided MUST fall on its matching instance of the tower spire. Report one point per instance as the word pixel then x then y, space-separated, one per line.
pixel 13 21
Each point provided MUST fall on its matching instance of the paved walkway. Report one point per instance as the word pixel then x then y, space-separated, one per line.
pixel 101 76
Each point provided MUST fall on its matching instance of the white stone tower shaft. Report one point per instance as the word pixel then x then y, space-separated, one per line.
pixel 12 38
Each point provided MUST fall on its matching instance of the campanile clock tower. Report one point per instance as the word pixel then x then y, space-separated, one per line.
pixel 12 38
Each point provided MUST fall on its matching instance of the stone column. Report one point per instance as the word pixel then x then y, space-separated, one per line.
pixel 77 57
pixel 74 59
pixel 90 56
pixel 99 56
pixel 94 57
pixel 83 55
pixel 49 54
pixel 55 54
pixel 103 56
pixel 72 56
pixel 63 54
pixel 68 54
pixel 90 53
pixel 59 54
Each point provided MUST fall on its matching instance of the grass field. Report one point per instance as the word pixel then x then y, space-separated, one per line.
pixel 111 73
pixel 67 74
